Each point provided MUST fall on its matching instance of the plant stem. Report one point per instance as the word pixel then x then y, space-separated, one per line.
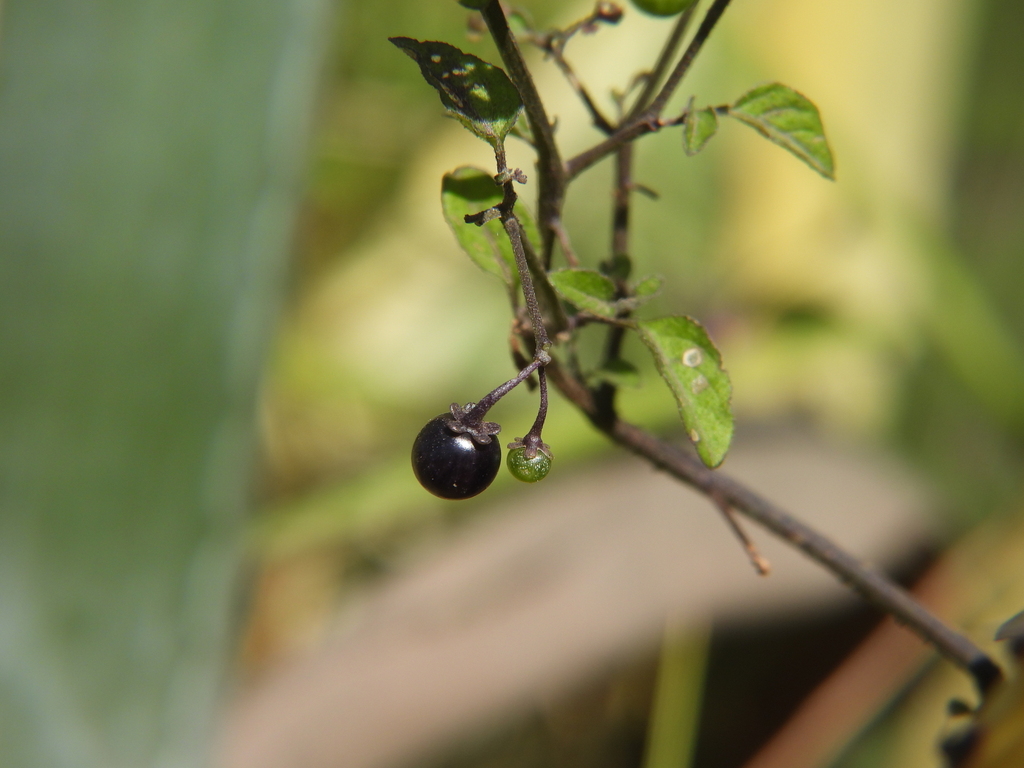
pixel 630 130
pixel 873 585
pixel 703 32
pixel 515 235
pixel 551 192
pixel 668 52
pixel 553 44
pixel 478 411
pixel 506 210
pixel 649 119
pixel 533 441
pixel 604 394
pixel 621 193
pixel 597 117
pixel 760 563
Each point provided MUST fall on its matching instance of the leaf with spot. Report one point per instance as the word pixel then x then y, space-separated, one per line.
pixel 586 289
pixel 698 128
pixel 477 93
pixel 790 120
pixel 692 367
pixel 469 190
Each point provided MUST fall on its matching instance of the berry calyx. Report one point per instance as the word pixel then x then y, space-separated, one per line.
pixel 456 460
pixel 525 469
pixel 529 458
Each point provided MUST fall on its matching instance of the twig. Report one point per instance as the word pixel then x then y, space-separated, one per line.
pixel 874 586
pixel 703 32
pixel 553 43
pixel 620 206
pixel 551 192
pixel 606 391
pixel 485 403
pixel 760 563
pixel 514 231
pixel 600 121
pixel 649 119
pixel 630 130
pixel 664 59
pixel 563 240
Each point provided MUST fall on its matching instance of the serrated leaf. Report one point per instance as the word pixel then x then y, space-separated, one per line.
pixel 470 190
pixel 585 289
pixel 790 120
pixel 692 368
pixel 698 128
pixel 479 94
pixel 618 372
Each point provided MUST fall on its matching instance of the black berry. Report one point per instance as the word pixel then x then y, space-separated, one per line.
pixel 453 464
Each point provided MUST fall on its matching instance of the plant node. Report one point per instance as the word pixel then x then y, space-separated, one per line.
pixel 531 445
pixel 464 421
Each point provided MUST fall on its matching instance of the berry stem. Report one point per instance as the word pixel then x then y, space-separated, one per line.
pixel 506 210
pixel 478 411
pixel 534 436
pixel 532 442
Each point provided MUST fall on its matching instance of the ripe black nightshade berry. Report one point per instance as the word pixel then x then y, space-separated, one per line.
pixel 452 464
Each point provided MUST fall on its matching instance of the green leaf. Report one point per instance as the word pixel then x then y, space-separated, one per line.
pixel 618 372
pixel 469 190
pixel 698 128
pixel 586 289
pixel 648 286
pixel 479 94
pixel 643 291
pixel 789 119
pixel 692 368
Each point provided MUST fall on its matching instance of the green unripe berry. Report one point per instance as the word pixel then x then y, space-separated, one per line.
pixel 528 470
pixel 663 7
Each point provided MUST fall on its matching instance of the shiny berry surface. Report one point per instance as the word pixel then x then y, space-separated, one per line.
pixel 528 470
pixel 452 465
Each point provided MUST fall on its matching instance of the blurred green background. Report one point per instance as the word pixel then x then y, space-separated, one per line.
pixel 151 170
